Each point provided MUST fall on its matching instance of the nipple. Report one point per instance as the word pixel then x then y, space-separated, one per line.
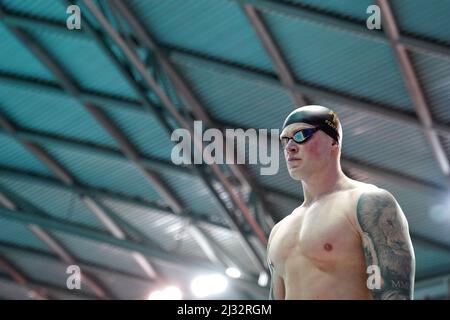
pixel 328 247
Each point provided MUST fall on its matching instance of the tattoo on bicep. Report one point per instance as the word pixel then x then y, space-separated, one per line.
pixel 386 245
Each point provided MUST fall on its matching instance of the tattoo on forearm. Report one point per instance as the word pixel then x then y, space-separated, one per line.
pixel 386 244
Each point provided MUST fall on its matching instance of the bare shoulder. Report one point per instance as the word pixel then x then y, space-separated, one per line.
pixel 365 194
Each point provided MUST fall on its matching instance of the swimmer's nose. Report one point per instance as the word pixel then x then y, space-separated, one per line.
pixel 291 147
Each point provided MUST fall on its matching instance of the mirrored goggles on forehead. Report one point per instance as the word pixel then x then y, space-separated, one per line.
pixel 299 136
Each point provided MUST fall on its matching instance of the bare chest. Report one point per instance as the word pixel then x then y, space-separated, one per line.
pixel 322 235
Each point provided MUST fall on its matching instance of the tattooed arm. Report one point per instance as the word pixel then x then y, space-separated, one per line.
pixel 387 244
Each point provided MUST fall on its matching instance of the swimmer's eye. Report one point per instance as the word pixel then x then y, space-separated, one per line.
pixel 299 136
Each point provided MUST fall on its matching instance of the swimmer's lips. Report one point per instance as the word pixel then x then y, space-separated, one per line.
pixel 292 161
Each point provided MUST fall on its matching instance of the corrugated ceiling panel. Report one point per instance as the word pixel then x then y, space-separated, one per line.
pixel 76 53
pixel 143 131
pixel 434 76
pixel 15 57
pixel 17 233
pixel 215 28
pixel 101 254
pixel 345 8
pixel 446 144
pixel 386 144
pixel 104 172
pixel 429 260
pixel 233 99
pixel 41 269
pixel 16 156
pixel 59 203
pixel 169 231
pixel 424 18
pixel 340 61
pixel 193 193
pixel 231 245
pixel 125 288
pixel 54 10
pixel 61 115
pixel 12 291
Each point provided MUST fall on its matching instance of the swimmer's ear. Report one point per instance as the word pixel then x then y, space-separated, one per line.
pixel 335 144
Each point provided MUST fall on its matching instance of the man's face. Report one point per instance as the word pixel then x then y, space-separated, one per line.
pixel 311 156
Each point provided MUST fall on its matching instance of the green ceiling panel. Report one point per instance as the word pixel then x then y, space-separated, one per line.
pixel 340 61
pixel 53 9
pixel 427 19
pixel 353 9
pixel 14 155
pixel 52 113
pixel 16 58
pixel 144 131
pixel 434 76
pixel 216 28
pixel 386 143
pixel 234 99
pixel 76 54
pixel 60 204
pixel 17 233
pixel 104 172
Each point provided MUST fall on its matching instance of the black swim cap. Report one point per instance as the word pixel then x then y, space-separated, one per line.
pixel 321 117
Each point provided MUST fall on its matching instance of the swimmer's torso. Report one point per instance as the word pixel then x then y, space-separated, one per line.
pixel 317 253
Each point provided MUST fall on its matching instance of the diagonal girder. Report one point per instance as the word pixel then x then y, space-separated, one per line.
pixel 19 277
pixel 157 112
pixel 414 88
pixel 174 260
pixel 274 52
pixel 72 89
pixel 186 94
pixel 89 201
pixel 14 202
pixel 151 83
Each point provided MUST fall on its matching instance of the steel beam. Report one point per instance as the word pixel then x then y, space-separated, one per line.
pixel 20 278
pixel 414 88
pixel 274 52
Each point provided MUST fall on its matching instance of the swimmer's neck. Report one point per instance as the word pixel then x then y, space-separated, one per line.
pixel 322 183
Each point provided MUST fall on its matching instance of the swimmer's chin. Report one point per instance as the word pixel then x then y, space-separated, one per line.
pixel 295 174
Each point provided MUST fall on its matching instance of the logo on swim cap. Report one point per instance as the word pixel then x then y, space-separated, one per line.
pixel 334 115
pixel 333 122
